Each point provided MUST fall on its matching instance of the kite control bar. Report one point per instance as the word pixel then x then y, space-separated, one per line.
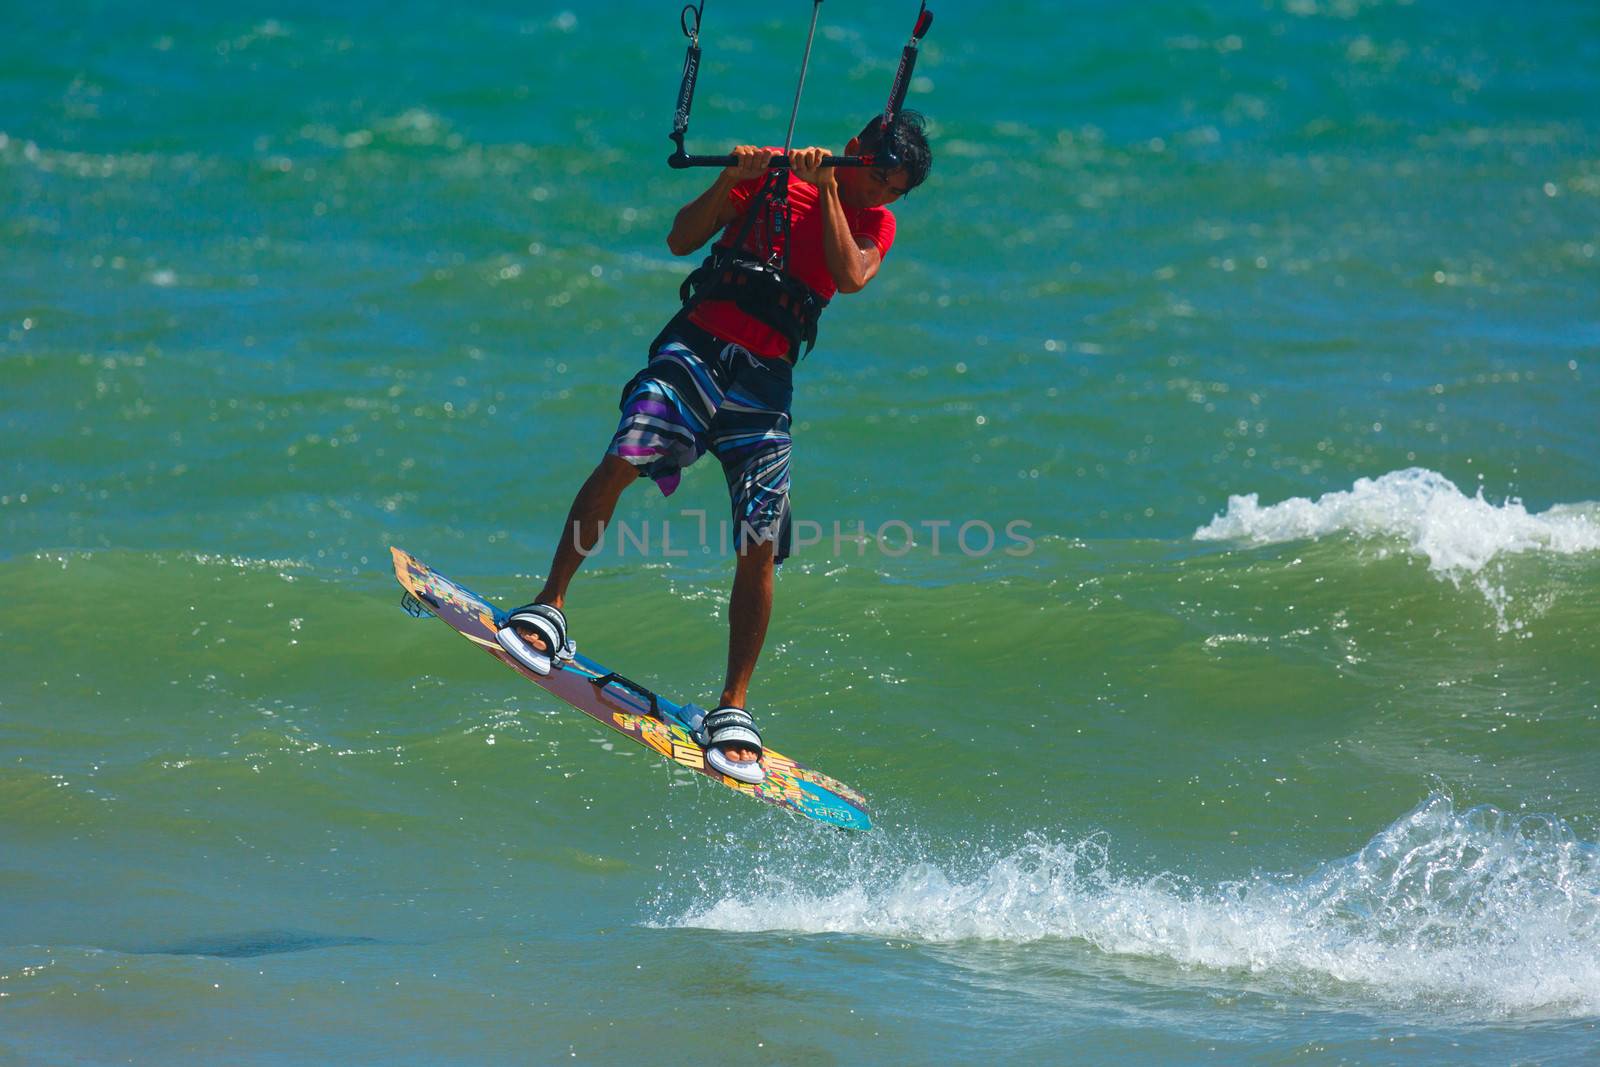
pixel 778 162
pixel 689 20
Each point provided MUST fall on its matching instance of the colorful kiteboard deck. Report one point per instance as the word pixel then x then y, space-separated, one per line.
pixel 626 706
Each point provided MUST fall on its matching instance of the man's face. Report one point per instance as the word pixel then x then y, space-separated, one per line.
pixel 880 186
pixel 871 186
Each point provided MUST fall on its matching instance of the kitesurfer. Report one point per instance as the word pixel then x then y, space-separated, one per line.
pixel 719 380
pixel 719 377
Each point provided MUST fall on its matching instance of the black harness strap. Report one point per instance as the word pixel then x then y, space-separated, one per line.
pixel 766 294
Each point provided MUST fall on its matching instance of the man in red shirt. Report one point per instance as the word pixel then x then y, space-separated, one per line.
pixel 719 380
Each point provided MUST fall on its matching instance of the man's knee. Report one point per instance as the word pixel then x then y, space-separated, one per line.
pixel 757 551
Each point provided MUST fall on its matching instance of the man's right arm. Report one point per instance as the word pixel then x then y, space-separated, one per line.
pixel 701 218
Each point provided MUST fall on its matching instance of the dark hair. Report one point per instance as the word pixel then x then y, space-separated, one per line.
pixel 910 145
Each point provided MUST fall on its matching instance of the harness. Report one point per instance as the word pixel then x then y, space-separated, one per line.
pixel 761 287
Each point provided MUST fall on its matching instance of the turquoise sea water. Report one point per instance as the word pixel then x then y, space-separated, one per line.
pixel 1274 326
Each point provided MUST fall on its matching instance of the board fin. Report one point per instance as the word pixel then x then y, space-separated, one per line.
pixel 414 607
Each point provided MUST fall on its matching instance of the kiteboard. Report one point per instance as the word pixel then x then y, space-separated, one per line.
pixel 623 705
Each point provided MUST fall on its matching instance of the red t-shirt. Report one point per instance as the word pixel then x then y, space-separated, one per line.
pixel 806 260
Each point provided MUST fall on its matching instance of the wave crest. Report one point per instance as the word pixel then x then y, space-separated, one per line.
pixel 1457 534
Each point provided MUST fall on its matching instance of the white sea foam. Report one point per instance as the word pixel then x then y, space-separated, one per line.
pixel 1462 537
pixel 1476 912
pixel 1457 534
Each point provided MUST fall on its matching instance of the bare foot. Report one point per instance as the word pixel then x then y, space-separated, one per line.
pixel 531 637
pixel 735 751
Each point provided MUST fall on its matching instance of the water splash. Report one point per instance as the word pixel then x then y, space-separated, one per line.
pixel 1477 912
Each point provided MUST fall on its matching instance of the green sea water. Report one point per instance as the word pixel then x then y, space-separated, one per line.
pixel 1204 507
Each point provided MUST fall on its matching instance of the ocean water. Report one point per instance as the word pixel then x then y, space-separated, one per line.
pixel 1204 508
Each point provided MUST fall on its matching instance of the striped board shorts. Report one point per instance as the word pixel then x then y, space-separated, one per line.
pixel 700 393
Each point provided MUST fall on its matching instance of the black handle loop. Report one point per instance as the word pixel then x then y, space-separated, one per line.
pixel 902 83
pixel 691 73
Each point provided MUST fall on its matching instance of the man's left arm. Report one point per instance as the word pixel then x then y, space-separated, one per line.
pixel 852 260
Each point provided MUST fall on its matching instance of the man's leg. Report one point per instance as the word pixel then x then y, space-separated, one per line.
pixel 749 609
pixel 586 524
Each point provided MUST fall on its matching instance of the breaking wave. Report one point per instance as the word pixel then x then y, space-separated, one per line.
pixel 1463 538
pixel 1478 912
pixel 1458 534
